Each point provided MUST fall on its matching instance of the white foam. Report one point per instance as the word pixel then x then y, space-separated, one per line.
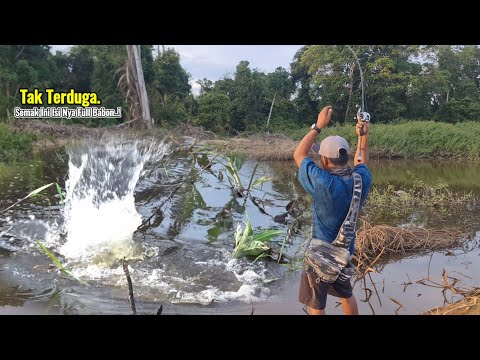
pixel 100 208
pixel 91 228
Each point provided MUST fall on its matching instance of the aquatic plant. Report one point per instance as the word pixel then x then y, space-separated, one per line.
pixel 234 163
pixel 249 244
pixel 58 264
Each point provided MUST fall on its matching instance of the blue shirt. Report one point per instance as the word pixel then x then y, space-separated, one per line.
pixel 332 195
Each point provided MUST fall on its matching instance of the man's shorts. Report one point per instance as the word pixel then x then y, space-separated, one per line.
pixel 314 294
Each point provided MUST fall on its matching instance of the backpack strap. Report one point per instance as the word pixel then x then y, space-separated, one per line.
pixel 347 230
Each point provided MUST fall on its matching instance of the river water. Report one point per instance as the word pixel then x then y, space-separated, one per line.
pixel 181 259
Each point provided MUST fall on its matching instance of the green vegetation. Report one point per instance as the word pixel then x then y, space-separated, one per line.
pixel 249 244
pixel 443 86
pixel 437 201
pixel 234 163
pixel 15 146
pixel 413 138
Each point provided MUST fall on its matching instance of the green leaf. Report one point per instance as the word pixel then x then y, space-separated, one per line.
pixel 254 246
pixel 33 193
pixel 198 198
pixel 58 264
pixel 36 191
pixel 261 180
pixel 266 235
pixel 262 255
pixel 51 256
pixel 248 227
pixel 248 244
pixel 59 191
pixel 230 170
pixel 238 235
pixel 203 161
pixel 230 180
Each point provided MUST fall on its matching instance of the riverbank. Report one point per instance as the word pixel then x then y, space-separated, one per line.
pixel 413 139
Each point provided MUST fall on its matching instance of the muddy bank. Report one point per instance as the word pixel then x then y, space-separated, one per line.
pixel 258 147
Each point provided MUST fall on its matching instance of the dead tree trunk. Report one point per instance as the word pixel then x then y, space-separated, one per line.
pixel 271 108
pixel 141 87
pixel 134 63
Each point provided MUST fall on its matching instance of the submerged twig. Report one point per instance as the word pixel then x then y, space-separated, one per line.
pixel 368 295
pixel 376 292
pixel 130 287
pixel 429 261
pixel 399 305
pixel 254 202
pixel 405 284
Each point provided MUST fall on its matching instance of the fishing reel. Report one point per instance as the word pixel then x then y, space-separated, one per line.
pixel 363 116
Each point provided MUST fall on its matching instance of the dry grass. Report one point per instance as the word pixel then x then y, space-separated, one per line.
pixel 260 146
pixel 469 305
pixel 374 242
pixel 197 132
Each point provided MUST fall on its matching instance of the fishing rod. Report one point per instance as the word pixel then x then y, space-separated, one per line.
pixel 362 115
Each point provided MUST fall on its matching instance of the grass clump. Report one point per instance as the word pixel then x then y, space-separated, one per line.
pixel 412 138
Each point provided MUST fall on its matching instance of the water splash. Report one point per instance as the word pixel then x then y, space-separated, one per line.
pixel 100 213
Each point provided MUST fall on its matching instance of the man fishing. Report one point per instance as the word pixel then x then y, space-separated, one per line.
pixel 338 194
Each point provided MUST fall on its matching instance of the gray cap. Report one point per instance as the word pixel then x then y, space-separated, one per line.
pixel 330 146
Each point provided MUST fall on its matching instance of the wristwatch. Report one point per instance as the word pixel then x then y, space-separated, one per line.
pixel 316 128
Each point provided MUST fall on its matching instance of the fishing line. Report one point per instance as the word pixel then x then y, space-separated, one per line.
pixel 362 115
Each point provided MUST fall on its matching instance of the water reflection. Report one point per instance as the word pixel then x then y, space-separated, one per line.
pixel 191 239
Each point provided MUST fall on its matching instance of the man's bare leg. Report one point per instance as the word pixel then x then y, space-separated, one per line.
pixel 312 311
pixel 349 305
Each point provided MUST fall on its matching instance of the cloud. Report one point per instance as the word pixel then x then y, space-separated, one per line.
pixel 215 61
pixel 62 48
pixel 195 87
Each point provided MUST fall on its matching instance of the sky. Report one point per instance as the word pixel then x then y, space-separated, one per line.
pixel 215 61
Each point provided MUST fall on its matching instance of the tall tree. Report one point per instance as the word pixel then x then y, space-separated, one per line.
pixel 171 88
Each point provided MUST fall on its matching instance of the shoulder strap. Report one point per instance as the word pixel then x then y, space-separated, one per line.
pixel 347 230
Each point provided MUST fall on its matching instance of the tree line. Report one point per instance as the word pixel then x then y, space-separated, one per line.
pixel 402 82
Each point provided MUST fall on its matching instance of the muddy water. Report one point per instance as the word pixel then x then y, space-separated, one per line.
pixel 185 262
